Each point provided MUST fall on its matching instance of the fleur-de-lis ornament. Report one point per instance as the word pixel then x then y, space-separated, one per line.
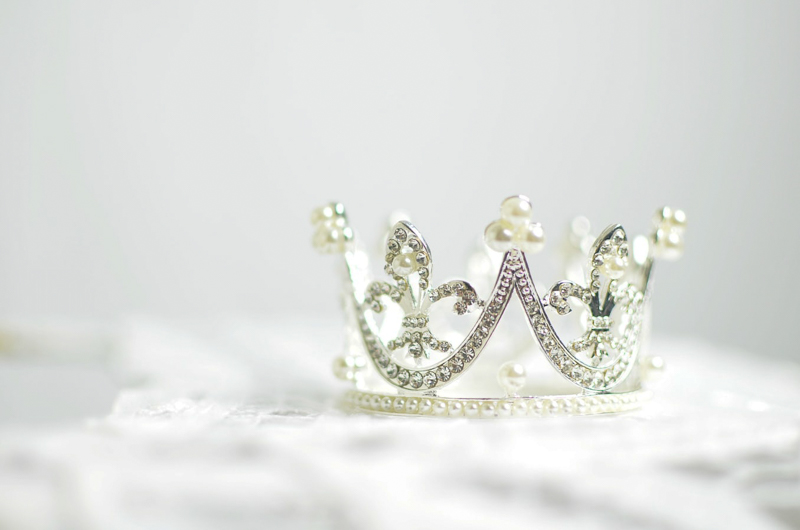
pixel 409 264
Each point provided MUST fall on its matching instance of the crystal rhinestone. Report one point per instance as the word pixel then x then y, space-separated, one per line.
pixel 566 290
pixel 391 370
pixel 468 354
pixel 402 284
pixel 415 380
pixel 393 246
pixel 605 247
pixel 426 336
pixel 402 377
pixel 623 250
pixel 598 260
pixel 423 272
pixel 618 237
pixel 533 309
pixel 586 297
pixel 444 346
pixel 456 365
pixel 396 296
pixel 444 373
pixel 388 269
pixel 413 244
pixel 422 258
pixel 460 308
pixel 383 360
pixel 430 379
pixel 446 290
pixel 434 295
pixel 400 234
pixel 433 343
pixel 414 349
pixel 423 283
pixel 577 373
pixel 595 286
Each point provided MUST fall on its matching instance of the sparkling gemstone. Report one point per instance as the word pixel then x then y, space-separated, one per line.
pixel 391 370
pixel 383 360
pixel 598 260
pixel 414 349
pixel 402 377
pixel 468 354
pixel 415 380
pixel 393 246
pixel 444 346
pixel 400 234
pixel 444 373
pixel 422 258
pixel 430 379
pixel 434 344
pixel 423 272
pixel 413 244
pixel 423 283
pixel 456 364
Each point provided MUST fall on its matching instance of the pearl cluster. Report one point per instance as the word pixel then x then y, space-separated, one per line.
pixel 670 228
pixel 515 228
pixel 514 407
pixel 331 233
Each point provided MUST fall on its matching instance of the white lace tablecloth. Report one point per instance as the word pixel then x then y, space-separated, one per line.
pixel 233 425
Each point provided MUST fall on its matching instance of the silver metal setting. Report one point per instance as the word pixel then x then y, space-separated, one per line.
pixel 417 362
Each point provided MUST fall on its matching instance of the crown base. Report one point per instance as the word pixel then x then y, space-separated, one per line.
pixel 488 408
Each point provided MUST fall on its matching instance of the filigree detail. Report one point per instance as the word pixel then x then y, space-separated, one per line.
pixel 409 263
pixel 607 264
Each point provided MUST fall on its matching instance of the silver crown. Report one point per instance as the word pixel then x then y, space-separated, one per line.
pixel 403 366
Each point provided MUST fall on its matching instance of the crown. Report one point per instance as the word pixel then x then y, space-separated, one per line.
pixel 404 356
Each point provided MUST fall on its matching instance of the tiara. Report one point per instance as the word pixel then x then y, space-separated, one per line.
pixel 404 356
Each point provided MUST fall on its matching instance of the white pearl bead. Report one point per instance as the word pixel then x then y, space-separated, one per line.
pixel 614 267
pixel 341 368
pixel 439 407
pixel 487 409
pixel 529 238
pixel 321 214
pixel 516 210
pixel 499 236
pixel 511 377
pixel 404 264
pixel 669 245
pixel 471 409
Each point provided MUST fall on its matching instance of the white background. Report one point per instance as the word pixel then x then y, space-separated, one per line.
pixel 162 157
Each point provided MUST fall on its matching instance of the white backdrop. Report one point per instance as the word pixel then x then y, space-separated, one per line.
pixel 162 157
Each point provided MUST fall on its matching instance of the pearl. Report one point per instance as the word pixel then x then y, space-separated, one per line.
pixel 487 409
pixel 341 368
pixel 511 377
pixel 439 407
pixel 404 264
pixel 614 267
pixel 516 210
pixel 425 406
pixel 499 236
pixel 669 245
pixel 471 409
pixel 321 214
pixel 529 238
pixel 455 408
